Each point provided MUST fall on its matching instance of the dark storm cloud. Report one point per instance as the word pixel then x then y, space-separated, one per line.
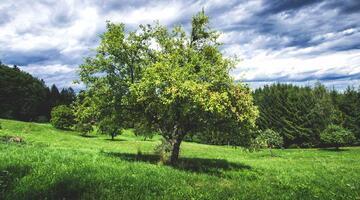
pixel 345 6
pixel 277 6
pixel 308 76
pixel 299 21
pixel 33 57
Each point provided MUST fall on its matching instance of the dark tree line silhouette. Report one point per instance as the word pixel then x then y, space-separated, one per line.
pixel 24 97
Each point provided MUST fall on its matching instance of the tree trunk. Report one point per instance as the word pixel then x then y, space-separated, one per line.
pixel 175 151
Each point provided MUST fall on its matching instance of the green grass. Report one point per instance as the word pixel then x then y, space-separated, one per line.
pixel 54 164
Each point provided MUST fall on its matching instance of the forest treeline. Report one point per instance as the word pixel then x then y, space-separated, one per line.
pixel 301 113
pixel 26 98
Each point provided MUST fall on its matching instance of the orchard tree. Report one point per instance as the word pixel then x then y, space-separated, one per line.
pixel 337 136
pixel 62 117
pixel 110 127
pixel 166 81
pixel 269 139
pixel 188 88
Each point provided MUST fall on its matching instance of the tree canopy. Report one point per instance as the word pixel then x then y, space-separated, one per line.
pixel 336 136
pixel 167 81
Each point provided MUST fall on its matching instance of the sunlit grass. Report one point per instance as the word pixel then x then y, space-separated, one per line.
pixel 56 164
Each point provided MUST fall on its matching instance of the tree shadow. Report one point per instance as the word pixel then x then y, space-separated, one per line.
pixel 333 149
pixel 10 175
pixel 199 165
pixel 114 140
pixel 88 136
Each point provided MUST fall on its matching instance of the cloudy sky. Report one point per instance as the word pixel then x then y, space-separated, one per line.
pixel 297 41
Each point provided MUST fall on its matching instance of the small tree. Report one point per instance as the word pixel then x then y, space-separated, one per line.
pixel 62 117
pixel 269 139
pixel 110 126
pixel 336 136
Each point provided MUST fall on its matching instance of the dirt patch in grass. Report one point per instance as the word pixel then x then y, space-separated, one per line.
pixel 12 139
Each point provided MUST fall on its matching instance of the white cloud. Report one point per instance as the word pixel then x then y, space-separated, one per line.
pixel 265 65
pixel 54 36
pixel 48 69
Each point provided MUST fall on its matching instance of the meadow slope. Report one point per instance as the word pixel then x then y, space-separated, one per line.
pixel 54 164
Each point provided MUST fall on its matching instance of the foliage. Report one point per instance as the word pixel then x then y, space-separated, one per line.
pixel 165 81
pixel 24 97
pixel 85 113
pixel 62 117
pixel 349 104
pixel 268 139
pixel 188 90
pixel 84 128
pixel 118 63
pixel 300 114
pixel 57 164
pixel 163 150
pixel 109 126
pixel 140 129
pixel 337 136
pixel 21 95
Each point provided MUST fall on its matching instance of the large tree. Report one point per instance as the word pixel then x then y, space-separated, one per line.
pixel 168 81
pixel 188 90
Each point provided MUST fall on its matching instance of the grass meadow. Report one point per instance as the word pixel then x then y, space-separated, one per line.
pixel 54 164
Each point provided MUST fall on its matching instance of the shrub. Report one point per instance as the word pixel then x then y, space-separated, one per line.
pixel 268 139
pixel 336 136
pixel 84 128
pixel 62 117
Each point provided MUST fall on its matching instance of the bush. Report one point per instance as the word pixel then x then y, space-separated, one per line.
pixel 336 136
pixel 62 117
pixel 268 139
pixel 84 128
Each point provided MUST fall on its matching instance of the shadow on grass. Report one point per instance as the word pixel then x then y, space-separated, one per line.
pixel 333 149
pixel 199 165
pixel 10 175
pixel 88 136
pixel 114 140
